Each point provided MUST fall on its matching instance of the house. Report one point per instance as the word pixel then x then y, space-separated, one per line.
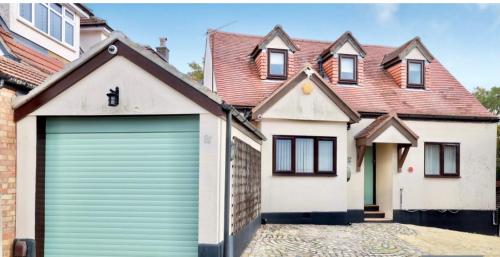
pixel 36 40
pixel 133 165
pixel 359 132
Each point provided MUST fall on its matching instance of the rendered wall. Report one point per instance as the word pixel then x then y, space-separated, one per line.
pixel 140 94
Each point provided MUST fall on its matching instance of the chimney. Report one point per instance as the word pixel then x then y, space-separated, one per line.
pixel 162 50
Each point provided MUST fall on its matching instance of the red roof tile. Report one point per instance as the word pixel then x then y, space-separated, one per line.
pixel 20 71
pixel 29 56
pixel 238 82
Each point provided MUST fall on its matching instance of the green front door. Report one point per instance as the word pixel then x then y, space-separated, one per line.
pixel 121 186
pixel 369 176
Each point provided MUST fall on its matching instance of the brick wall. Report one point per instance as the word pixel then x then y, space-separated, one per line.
pixel 331 69
pixel 398 73
pixel 7 170
pixel 261 62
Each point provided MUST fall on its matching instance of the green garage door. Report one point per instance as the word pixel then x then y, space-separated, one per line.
pixel 121 186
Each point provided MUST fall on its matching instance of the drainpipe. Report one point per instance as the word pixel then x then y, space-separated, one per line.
pixel 227 252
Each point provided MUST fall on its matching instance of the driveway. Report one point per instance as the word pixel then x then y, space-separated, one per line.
pixel 367 239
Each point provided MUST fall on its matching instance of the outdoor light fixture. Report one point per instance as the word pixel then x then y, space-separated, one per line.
pixel 113 97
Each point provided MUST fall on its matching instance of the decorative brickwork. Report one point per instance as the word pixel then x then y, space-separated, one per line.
pixel 398 73
pixel 261 62
pixel 331 70
pixel 7 170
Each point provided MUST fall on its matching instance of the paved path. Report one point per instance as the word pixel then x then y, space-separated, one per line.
pixel 363 239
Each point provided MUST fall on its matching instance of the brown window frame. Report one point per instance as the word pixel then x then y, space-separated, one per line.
pixel 355 68
pixel 422 74
pixel 442 174
pixel 285 63
pixel 316 171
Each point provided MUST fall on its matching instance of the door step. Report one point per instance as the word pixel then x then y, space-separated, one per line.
pixel 371 207
pixel 374 214
pixel 378 220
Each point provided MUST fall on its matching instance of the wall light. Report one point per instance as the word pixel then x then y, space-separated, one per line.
pixel 113 97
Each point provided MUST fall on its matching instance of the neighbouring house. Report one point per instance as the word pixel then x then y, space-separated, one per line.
pixel 133 164
pixel 92 31
pixel 359 132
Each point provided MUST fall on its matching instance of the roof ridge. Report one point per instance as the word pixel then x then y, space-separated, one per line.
pixel 293 38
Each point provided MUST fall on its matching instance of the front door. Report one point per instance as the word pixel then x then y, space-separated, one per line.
pixel 369 176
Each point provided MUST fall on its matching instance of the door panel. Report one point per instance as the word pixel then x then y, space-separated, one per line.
pixel 369 176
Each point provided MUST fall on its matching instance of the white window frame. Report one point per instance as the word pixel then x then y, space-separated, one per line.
pixel 64 19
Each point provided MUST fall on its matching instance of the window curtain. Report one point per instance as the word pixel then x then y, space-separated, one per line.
pixel 283 155
pixel 277 63
pixel 432 161
pixel 450 159
pixel 304 155
pixel 325 155
pixel 41 17
pixel 415 73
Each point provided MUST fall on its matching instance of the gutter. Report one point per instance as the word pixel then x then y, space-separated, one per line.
pixel 227 251
pixel 15 83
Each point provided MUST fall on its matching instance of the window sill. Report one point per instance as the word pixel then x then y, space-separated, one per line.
pixel 276 77
pixel 442 176
pixel 410 86
pixel 319 174
pixel 349 82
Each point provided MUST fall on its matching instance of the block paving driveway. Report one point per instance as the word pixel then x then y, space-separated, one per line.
pixel 366 239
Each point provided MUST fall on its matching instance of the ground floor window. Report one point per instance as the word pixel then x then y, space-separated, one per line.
pixel 304 155
pixel 442 159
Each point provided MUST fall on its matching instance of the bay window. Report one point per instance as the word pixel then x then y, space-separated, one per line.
pixel 348 68
pixel 52 19
pixel 442 159
pixel 304 155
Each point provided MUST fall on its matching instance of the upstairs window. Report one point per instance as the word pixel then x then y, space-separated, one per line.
pixel 303 156
pixel 52 19
pixel 348 69
pixel 277 63
pixel 415 74
pixel 442 159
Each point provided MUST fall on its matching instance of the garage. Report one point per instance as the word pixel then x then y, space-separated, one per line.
pixel 134 164
pixel 121 186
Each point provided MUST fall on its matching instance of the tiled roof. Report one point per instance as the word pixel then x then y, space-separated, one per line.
pixel 238 82
pixel 31 57
pixel 29 68
pixel 94 21
pixel 19 71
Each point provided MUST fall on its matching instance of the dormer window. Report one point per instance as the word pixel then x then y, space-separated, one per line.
pixel 348 69
pixel 277 63
pixel 415 74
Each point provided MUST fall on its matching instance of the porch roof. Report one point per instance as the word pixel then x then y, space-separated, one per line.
pixel 384 123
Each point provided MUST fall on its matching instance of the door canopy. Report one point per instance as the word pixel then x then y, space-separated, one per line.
pixel 390 129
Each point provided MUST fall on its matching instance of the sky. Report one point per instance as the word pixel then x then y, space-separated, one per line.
pixel 464 37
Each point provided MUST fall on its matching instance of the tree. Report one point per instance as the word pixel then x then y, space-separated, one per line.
pixel 489 98
pixel 196 72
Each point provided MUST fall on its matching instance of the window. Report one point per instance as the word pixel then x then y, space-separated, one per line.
pixel 25 10
pixel 304 155
pixel 277 60
pixel 442 159
pixel 52 19
pixel 348 68
pixel 415 74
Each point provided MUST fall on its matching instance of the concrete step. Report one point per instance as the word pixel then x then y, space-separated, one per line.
pixel 378 220
pixel 371 207
pixel 374 214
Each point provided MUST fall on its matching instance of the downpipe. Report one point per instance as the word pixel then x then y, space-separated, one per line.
pixel 227 251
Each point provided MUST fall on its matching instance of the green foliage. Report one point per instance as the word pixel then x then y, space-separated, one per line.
pixel 196 72
pixel 489 98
